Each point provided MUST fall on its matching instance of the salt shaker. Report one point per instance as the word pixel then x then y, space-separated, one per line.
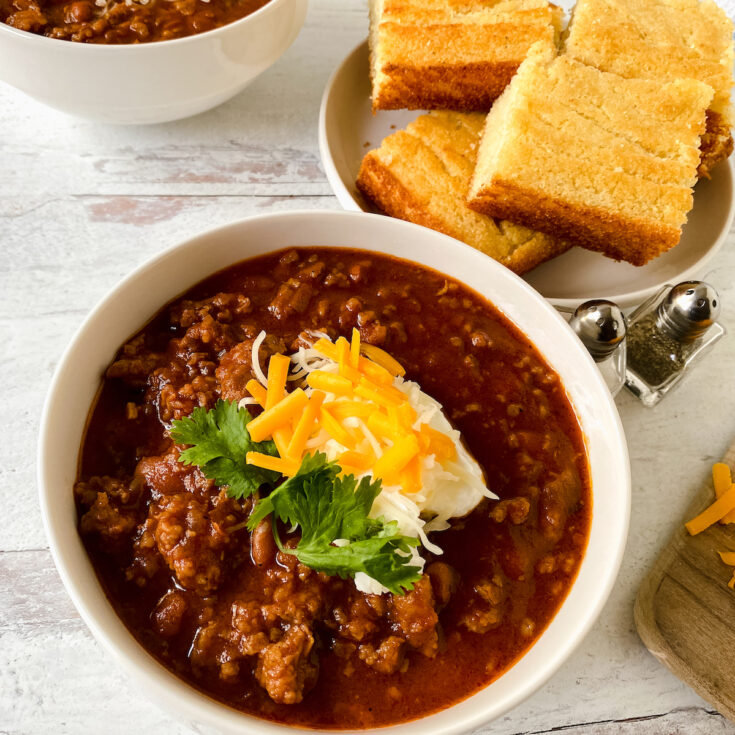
pixel 667 334
pixel 601 326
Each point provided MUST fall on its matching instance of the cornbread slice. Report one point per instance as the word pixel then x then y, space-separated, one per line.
pixel 422 174
pixel 452 54
pixel 664 40
pixel 603 161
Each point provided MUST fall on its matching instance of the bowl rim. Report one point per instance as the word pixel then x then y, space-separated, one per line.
pixel 145 669
pixel 626 299
pixel 103 48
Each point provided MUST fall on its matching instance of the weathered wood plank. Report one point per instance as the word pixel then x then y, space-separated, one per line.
pixel 34 599
pixel 60 682
pixel 263 142
pixel 688 721
pixel 148 168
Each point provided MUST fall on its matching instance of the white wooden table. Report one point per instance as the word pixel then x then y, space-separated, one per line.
pixel 81 204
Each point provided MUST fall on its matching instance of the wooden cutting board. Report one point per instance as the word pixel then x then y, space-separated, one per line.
pixel 685 612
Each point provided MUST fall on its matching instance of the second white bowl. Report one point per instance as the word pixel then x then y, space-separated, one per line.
pixel 149 82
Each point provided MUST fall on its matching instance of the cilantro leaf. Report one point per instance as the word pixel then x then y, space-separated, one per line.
pixel 314 468
pixel 219 440
pixel 327 507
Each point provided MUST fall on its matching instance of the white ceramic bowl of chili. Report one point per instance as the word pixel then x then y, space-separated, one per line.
pixel 151 82
pixel 145 291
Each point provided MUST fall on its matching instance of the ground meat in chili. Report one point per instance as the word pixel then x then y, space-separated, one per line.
pixel 250 625
pixel 123 21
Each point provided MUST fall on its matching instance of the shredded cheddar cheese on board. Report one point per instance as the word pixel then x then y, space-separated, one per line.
pixel 722 510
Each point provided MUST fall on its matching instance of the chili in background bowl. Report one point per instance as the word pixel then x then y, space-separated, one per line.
pixel 154 82
pixel 160 280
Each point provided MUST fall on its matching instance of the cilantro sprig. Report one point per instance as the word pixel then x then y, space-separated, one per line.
pixel 327 507
pixel 219 440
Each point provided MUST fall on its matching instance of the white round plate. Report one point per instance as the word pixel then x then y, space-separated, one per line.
pixel 348 129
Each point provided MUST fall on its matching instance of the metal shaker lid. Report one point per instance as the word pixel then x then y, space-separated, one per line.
pixel 600 325
pixel 689 310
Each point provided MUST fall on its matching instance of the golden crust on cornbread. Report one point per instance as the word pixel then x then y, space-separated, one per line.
pixel 422 174
pixel 663 39
pixel 608 164
pixel 452 54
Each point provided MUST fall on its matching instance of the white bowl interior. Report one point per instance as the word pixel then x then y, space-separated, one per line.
pixel 348 129
pixel 158 281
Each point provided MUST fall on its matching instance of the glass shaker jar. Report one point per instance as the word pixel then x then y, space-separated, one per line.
pixel 667 334
pixel 601 327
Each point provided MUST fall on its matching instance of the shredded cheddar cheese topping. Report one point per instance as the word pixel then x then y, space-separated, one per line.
pixel 355 406
pixel 365 383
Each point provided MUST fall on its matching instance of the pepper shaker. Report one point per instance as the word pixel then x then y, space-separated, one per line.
pixel 667 334
pixel 601 326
